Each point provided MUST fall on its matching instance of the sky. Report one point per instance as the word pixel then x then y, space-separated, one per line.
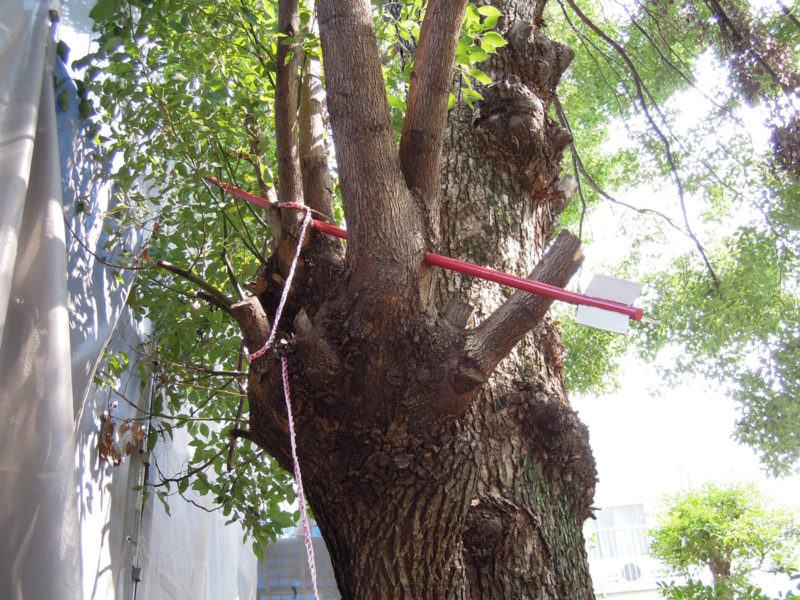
pixel 649 441
pixel 75 14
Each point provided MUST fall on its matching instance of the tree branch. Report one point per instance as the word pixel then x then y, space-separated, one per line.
pixel 580 169
pixel 788 14
pixel 265 191
pixel 564 122
pixel 588 45
pixel 210 292
pixel 379 209
pixel 290 182
pixel 134 267
pixel 253 320
pixel 426 108
pixel 240 433
pixel 493 339
pixel 640 93
pixel 317 188
pixel 189 472
pixel 231 274
pixel 742 43
pixel 237 419
pixel 686 76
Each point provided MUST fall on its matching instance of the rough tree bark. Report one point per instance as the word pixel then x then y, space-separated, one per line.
pixel 438 449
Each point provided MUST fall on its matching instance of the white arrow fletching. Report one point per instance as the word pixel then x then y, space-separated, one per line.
pixel 610 288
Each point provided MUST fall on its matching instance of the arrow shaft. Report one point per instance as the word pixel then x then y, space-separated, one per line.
pixel 239 193
pixel 535 287
pixel 520 283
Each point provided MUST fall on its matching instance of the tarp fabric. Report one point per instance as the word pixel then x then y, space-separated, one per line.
pixel 71 527
pixel 39 553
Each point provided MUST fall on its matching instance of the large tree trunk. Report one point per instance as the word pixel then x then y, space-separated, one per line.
pixel 434 472
pixel 523 535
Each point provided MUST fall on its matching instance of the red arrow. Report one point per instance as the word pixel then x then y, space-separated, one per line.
pixel 520 283
pixel 535 287
pixel 239 193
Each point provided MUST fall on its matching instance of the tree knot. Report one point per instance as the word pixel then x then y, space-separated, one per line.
pixel 518 134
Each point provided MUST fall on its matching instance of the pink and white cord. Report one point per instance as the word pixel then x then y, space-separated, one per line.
pixel 298 479
pixel 285 376
pixel 287 285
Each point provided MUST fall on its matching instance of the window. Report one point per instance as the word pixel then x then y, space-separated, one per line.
pixel 618 532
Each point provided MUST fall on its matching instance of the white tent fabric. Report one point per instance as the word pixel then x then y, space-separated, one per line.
pixel 38 512
pixel 71 527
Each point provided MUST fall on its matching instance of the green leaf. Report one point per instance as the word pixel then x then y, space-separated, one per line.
pixel 489 23
pixel 64 99
pixel 477 55
pixel 62 50
pixel 81 63
pixel 396 102
pixel 731 525
pixel 494 39
pixel 119 68
pixel 489 11
pixel 104 10
pixel 201 485
pixel 163 497
pixel 152 439
pixel 480 76
pixel 258 550
pixel 472 94
pixel 113 43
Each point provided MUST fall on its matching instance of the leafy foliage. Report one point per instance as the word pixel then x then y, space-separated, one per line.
pixel 729 530
pixel 709 207
pixel 697 590
pixel 184 90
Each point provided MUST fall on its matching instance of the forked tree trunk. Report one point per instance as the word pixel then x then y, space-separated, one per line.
pixel 434 472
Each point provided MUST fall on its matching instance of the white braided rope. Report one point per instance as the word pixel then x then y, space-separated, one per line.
pixel 298 479
pixel 288 284
pixel 285 376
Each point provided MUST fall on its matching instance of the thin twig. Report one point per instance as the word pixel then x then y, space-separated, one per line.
pixel 218 298
pixel 726 22
pixel 166 480
pixel 206 387
pixel 580 168
pixel 240 408
pixel 562 119
pixel 587 43
pixel 100 260
pixel 789 14
pixel 231 275
pixel 686 77
pixel 640 92
pixel 213 292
